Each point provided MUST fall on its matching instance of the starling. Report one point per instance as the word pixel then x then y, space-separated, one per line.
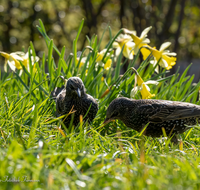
pixel 173 116
pixel 74 96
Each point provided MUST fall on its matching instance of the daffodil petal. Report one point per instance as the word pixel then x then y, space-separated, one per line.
pixel 136 49
pixel 103 51
pixel 169 67
pixel 99 57
pixel 15 61
pixel 5 66
pixel 130 44
pixel 170 54
pixel 17 57
pixel 157 69
pixel 33 59
pixel 163 63
pixel 26 55
pixel 152 82
pixel 146 41
pixel 84 59
pixel 153 62
pixel 127 52
pixel 115 45
pixel 164 46
pixel 145 31
pixel 118 51
pixel 101 54
pixel 20 73
pixel 134 32
pixel 147 87
pixel 82 62
pixel 170 60
pixel 12 65
pixel 20 53
pixel 123 37
pixel 134 91
pixel 36 58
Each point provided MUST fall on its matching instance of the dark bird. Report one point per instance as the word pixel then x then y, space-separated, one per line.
pixel 74 97
pixel 173 116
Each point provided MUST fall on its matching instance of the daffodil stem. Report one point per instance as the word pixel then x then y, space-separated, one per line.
pixel 121 78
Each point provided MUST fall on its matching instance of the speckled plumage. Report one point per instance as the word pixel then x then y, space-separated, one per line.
pixel 57 91
pixel 172 115
pixel 74 95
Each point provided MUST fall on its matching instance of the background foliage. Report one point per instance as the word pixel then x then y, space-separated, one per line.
pixel 175 20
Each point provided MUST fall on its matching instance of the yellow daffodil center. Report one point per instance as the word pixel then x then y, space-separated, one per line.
pixel 145 53
pixel 171 61
pixel 81 62
pixel 122 42
pixel 25 62
pixel 6 55
pixel 157 54
pixel 145 93
pixel 108 64
pixel 136 39
pixel 139 80
pixel 99 57
pixel 14 60
pixel 17 63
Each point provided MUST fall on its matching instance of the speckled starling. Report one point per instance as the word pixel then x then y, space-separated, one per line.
pixel 173 116
pixel 74 96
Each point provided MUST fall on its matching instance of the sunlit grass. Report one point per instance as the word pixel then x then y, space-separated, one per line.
pixel 36 153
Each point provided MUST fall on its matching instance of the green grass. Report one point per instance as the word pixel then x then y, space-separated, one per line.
pixel 35 154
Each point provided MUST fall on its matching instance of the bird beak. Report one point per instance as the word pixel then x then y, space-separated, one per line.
pixel 78 92
pixel 107 121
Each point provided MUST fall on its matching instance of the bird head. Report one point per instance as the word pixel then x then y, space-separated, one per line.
pixel 116 110
pixel 75 87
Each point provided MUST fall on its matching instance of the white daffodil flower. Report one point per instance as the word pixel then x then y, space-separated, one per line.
pixel 143 88
pixel 14 59
pixel 124 41
pixel 139 41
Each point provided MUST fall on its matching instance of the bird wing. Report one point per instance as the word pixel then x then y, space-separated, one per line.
pixel 160 111
pixel 60 101
pixel 90 102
